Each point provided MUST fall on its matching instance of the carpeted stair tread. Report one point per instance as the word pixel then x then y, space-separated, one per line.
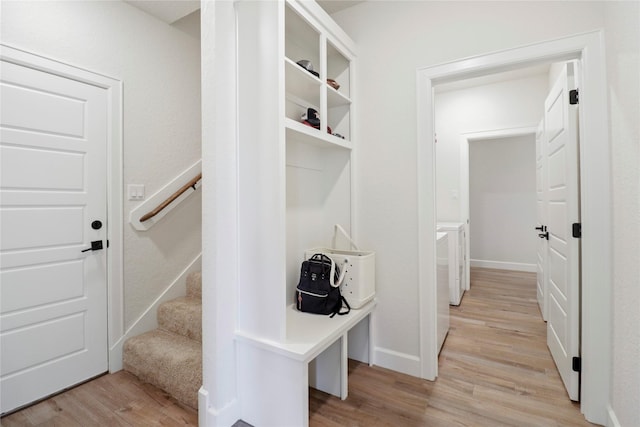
pixel 169 361
pixel 170 357
pixel 194 285
pixel 182 316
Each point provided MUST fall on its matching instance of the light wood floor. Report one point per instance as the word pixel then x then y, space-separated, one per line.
pixel 118 399
pixel 495 370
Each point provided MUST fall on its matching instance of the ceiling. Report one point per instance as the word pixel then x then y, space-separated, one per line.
pixel 180 13
pixel 167 11
pixel 172 11
pixel 333 6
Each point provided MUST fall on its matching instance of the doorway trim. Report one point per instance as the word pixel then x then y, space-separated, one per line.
pixel 113 87
pixel 595 177
pixel 469 137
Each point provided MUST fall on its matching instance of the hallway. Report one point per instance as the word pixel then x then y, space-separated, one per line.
pixel 494 370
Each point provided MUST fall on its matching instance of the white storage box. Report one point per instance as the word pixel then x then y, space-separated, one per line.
pixel 359 284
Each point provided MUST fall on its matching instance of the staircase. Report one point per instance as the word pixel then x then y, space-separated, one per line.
pixel 170 357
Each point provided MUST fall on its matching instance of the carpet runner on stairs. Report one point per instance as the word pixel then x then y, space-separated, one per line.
pixel 170 357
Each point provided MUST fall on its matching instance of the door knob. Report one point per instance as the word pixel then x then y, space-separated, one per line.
pixel 96 245
pixel 544 235
pixel 96 225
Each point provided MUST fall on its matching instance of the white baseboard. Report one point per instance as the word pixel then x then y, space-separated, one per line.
pixel 501 265
pixel 148 321
pixel 612 420
pixel 210 416
pixel 396 361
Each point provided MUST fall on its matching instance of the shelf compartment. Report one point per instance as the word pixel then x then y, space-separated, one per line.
pixel 302 90
pixel 302 41
pixel 301 83
pixel 339 119
pixel 339 69
pixel 308 135
pixel 336 98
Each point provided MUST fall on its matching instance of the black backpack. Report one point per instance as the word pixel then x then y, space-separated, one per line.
pixel 318 290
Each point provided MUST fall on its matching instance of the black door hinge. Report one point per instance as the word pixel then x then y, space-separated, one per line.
pixel 574 97
pixel 576 364
pixel 576 230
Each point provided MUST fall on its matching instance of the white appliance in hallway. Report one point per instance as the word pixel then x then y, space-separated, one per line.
pixel 457 259
pixel 442 277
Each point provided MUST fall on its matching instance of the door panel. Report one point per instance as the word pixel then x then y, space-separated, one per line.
pixel 53 310
pixel 21 288
pixel 24 168
pixel 25 228
pixel 63 337
pixel 541 215
pixel 46 111
pixel 563 204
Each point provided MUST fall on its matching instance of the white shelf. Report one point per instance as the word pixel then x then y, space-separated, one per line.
pixel 301 83
pixel 335 98
pixel 308 135
pixel 309 334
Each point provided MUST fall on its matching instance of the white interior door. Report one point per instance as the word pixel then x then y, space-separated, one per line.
pixel 53 299
pixel 563 209
pixel 541 215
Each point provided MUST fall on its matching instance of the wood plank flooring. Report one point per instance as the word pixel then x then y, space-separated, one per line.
pixel 495 370
pixel 118 399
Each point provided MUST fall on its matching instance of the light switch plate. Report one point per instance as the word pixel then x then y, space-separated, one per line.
pixel 135 191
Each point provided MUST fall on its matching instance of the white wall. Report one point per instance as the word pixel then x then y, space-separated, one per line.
pixel 511 104
pixel 622 26
pixel 409 35
pixel 502 203
pixel 160 69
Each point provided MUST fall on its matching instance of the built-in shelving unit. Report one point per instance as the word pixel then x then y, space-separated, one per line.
pixel 318 162
pixel 296 182
pixel 305 41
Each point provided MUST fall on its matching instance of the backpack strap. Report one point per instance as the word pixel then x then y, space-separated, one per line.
pixel 343 302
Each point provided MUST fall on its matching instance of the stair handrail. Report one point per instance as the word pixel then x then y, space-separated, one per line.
pixel 154 208
pixel 191 184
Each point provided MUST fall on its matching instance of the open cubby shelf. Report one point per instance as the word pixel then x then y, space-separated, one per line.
pixel 300 132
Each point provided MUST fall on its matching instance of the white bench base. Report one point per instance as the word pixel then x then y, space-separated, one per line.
pixel 274 377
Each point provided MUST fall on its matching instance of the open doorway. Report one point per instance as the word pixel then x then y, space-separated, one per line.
pixel 595 177
pixel 482 113
pixel 502 203
pixel 503 185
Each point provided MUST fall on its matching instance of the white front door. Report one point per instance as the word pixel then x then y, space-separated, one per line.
pixel 541 216
pixel 563 210
pixel 53 296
